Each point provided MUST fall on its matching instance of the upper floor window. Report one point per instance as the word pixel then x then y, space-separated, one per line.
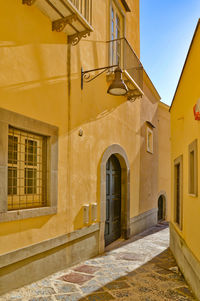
pixel 27 174
pixel 116 32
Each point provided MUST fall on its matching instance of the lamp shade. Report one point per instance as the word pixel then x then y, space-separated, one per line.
pixel 118 86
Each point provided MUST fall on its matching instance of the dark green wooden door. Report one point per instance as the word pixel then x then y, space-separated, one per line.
pixel 113 200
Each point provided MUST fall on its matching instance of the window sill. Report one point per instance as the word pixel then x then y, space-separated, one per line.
pixel 26 213
pixel 193 195
pixel 148 151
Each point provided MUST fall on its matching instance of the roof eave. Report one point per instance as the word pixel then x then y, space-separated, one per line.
pixel 194 35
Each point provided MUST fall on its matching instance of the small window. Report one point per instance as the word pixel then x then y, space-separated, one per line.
pixel 178 178
pixel 27 174
pixel 149 140
pixel 192 174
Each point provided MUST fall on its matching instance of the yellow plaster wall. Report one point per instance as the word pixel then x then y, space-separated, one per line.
pixel 164 155
pixel 148 161
pixel 184 130
pixel 33 81
pixel 112 121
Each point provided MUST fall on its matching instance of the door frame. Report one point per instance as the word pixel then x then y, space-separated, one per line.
pixel 119 152
pixel 114 224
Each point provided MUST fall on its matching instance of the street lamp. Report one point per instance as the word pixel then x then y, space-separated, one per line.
pixel 116 88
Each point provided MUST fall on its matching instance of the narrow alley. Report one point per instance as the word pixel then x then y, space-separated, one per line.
pixel 141 268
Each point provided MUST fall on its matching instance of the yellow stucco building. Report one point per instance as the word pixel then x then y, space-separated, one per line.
pixel 79 168
pixel 185 138
pixel 164 161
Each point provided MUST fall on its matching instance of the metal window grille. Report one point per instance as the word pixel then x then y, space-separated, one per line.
pixel 27 170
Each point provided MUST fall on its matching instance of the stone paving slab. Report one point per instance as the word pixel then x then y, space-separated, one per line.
pixel 141 268
pixel 78 278
pixel 88 269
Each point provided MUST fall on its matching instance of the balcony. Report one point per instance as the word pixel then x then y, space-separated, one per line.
pixel 73 17
pixel 122 54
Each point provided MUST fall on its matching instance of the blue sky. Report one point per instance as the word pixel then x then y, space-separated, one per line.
pixel 166 30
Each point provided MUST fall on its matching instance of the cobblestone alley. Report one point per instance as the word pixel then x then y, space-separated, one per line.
pixel 141 268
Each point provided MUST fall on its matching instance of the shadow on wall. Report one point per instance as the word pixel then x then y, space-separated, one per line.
pixel 17 226
pixel 34 70
pixel 78 220
pixel 38 27
pixel 33 63
pixel 92 103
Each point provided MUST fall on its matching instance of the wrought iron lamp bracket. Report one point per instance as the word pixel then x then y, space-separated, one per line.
pixel 132 93
pixel 87 77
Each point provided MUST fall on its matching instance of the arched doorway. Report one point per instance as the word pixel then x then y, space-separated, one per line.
pixel 161 208
pixel 120 154
pixel 113 200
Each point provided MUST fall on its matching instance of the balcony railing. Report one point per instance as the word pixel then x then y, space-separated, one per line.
pixel 73 17
pixel 122 54
pixel 85 8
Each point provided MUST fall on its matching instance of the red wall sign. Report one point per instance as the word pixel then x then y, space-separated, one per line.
pixel 196 110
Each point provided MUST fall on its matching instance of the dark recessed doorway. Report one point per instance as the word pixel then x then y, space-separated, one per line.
pixel 113 200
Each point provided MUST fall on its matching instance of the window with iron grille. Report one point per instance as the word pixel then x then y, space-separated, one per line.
pixel 27 170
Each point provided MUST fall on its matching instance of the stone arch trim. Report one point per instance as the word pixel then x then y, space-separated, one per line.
pixel 163 193
pixel 119 152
